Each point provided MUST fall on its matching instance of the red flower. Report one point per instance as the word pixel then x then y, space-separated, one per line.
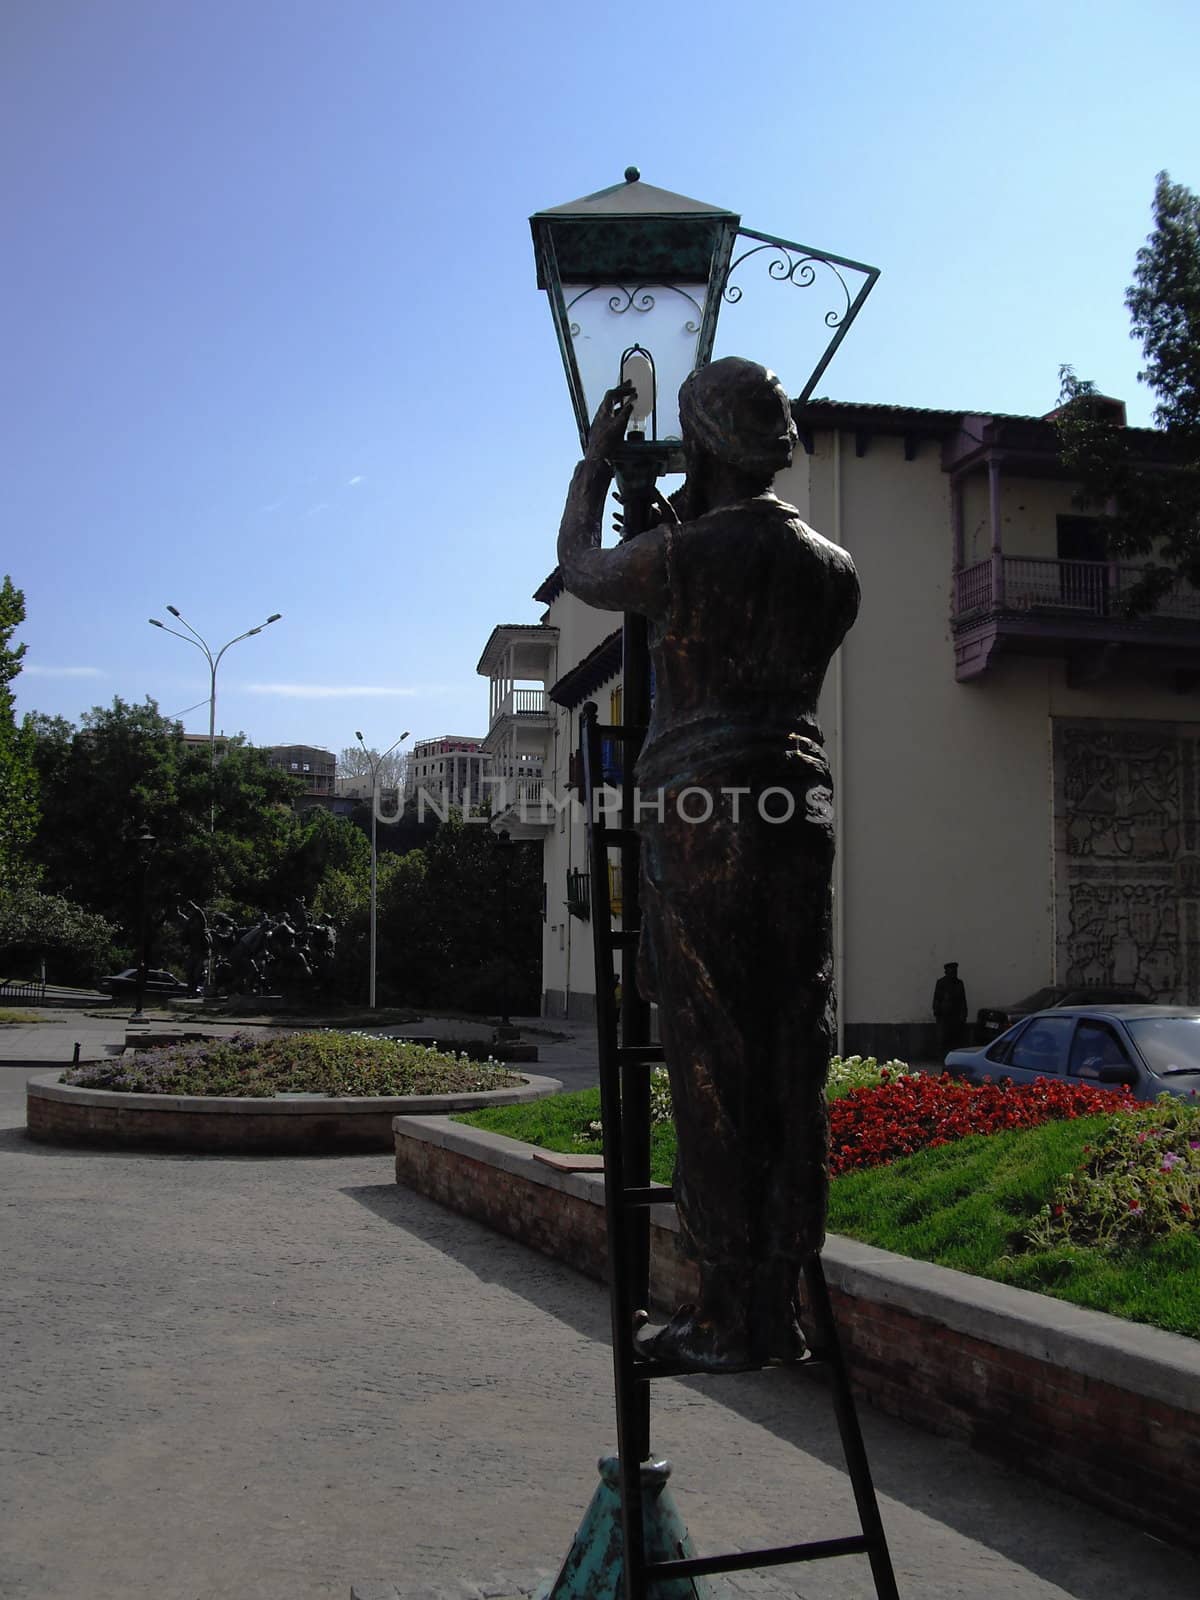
pixel 873 1126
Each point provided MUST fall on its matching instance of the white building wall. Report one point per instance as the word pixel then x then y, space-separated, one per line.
pixel 945 789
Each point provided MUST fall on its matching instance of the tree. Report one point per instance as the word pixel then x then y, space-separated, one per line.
pixel 1150 494
pixel 35 925
pixel 127 767
pixel 443 938
pixel 18 780
pixel 355 762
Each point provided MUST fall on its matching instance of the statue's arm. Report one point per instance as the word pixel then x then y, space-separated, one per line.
pixel 633 576
pixel 630 577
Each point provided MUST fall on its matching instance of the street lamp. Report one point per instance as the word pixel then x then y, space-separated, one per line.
pixel 145 843
pixel 636 278
pixel 201 644
pixel 375 762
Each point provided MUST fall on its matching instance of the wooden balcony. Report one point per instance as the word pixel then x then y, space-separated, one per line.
pixel 1034 605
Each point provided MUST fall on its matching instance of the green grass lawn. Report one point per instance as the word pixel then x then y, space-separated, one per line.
pixel 963 1205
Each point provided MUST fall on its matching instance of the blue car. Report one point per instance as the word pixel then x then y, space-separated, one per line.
pixel 1152 1050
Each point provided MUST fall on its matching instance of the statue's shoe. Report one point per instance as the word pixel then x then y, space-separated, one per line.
pixel 692 1340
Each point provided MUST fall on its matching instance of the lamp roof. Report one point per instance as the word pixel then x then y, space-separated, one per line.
pixel 631 230
pixel 633 198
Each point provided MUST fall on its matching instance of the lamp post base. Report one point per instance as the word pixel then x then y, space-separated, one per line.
pixel 595 1569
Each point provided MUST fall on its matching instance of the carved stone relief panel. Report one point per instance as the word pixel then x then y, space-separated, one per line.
pixel 1127 856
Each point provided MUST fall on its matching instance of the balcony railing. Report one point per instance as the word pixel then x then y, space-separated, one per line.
pixel 1033 584
pixel 521 703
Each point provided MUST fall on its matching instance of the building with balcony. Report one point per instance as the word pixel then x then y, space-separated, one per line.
pixel 451 770
pixel 1016 759
pixel 519 664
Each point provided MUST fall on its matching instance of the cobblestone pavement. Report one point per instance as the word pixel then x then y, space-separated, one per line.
pixel 278 1378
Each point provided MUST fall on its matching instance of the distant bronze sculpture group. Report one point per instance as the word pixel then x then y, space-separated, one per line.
pixel 745 607
pixel 282 952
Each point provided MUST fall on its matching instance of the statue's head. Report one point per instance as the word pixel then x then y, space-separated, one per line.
pixel 737 413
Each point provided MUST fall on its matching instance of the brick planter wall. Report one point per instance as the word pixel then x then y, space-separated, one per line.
pixel 62 1113
pixel 1104 1409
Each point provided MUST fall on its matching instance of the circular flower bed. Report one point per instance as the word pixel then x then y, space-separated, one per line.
pixel 312 1093
pixel 334 1064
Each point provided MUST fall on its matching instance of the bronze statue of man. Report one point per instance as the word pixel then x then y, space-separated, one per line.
pixel 745 606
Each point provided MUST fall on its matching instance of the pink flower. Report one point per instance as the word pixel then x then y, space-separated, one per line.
pixel 1169 1160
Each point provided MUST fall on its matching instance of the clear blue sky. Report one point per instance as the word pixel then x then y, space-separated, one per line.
pixel 272 337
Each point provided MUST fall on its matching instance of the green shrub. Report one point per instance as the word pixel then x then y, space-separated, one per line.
pixel 1141 1181
pixel 324 1063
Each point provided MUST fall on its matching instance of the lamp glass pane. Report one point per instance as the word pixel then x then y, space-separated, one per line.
pixel 605 319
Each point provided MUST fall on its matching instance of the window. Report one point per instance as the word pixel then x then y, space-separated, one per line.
pixel 1096 1045
pixel 1042 1046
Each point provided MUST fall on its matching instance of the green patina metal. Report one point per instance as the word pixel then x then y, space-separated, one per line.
pixel 595 1567
pixel 645 240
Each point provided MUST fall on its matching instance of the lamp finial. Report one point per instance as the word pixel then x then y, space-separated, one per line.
pixel 632 174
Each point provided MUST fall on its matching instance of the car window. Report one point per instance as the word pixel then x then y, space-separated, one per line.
pixel 1096 1045
pixel 1043 1045
pixel 1169 1044
pixel 1000 1049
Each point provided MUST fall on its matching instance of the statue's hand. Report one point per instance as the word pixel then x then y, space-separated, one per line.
pixel 610 422
pixel 658 510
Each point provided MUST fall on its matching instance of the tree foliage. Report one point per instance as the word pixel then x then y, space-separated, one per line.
pixel 18 781
pixel 35 925
pixel 445 937
pixel 226 835
pixel 355 762
pixel 1149 493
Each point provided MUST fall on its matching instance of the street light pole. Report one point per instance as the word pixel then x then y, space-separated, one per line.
pixel 375 762
pixel 145 846
pixel 200 643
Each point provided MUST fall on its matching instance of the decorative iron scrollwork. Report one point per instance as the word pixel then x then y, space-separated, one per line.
pixel 789 266
pixel 639 299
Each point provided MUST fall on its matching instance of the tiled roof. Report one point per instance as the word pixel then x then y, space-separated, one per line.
pixel 495 638
pixel 597 667
pixel 550 588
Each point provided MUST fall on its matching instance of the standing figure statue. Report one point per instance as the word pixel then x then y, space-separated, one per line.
pixel 745 606
pixel 199 943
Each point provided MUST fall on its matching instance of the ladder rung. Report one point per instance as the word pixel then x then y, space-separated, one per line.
pixel 640 1055
pixel 619 730
pixel 660 1195
pixel 742 1560
pixel 626 939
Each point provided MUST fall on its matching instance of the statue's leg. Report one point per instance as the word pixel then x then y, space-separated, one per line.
pixel 736 920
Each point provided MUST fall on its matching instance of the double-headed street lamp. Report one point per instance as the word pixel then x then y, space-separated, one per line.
pixel 375 762
pixel 198 642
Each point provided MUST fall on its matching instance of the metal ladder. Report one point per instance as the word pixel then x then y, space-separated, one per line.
pixel 625 1066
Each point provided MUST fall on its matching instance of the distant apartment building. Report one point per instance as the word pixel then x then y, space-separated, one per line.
pixel 316 768
pixel 451 770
